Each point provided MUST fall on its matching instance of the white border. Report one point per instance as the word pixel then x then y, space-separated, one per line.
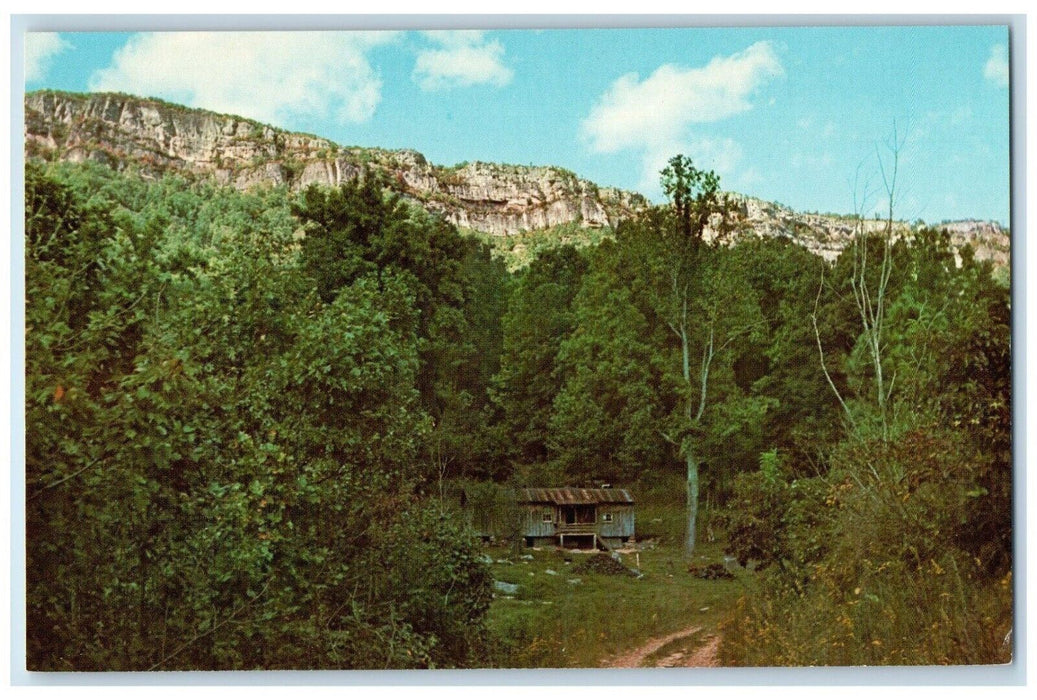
pixel 11 316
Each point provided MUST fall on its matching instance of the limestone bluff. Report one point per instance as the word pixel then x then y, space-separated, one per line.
pixel 156 137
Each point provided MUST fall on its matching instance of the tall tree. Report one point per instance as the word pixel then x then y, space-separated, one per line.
pixel 872 256
pixel 538 319
pixel 605 424
pixel 362 229
pixel 692 297
pixel 784 368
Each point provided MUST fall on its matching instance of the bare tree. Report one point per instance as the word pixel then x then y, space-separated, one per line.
pixel 869 288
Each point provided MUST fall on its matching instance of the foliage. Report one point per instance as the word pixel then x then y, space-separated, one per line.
pixel 604 426
pixel 782 364
pixel 241 408
pixel 899 550
pixel 691 290
pixel 875 574
pixel 517 251
pixel 538 319
pixel 361 230
pixel 220 463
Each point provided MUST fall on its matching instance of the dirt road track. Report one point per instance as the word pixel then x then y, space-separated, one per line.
pixel 702 657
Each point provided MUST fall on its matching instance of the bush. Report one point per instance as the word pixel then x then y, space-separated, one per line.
pixel 886 582
pixel 436 582
pixel 220 468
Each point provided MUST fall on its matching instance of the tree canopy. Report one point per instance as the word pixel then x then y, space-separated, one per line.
pixel 244 412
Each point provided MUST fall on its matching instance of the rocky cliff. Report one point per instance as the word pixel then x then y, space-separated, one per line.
pixel 827 235
pixel 156 137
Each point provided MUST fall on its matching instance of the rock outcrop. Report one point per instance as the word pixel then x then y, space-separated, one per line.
pixel 827 235
pixel 155 137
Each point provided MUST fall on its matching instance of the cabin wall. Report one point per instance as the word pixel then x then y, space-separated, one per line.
pixel 534 525
pixel 622 524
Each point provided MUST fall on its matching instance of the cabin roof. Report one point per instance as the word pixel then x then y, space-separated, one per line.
pixel 569 496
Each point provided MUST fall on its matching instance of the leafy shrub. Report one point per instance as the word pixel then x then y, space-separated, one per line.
pixel 220 466
pixel 886 582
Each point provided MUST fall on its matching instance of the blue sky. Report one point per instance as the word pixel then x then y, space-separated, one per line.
pixel 782 113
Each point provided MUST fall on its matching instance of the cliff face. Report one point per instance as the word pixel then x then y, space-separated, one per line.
pixel 158 137
pixel 828 235
pixel 155 137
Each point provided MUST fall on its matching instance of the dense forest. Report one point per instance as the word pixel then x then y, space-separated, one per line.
pixel 245 412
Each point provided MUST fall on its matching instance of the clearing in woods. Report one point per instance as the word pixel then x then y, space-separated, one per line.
pixel 556 612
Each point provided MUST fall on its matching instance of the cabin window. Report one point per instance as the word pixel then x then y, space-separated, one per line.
pixel 547 517
pixel 606 517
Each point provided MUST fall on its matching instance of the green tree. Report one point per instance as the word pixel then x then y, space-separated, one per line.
pixel 607 414
pixel 693 298
pixel 898 550
pixel 871 256
pixel 538 319
pixel 360 229
pixel 783 366
pixel 465 442
pixel 220 463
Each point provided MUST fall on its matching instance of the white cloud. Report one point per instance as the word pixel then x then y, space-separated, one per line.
pixel 268 76
pixel 996 68
pixel 463 58
pixel 655 115
pixel 40 50
pixel 722 155
pixel 637 113
pixel 454 38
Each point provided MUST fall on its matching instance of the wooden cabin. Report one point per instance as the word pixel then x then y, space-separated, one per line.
pixel 576 517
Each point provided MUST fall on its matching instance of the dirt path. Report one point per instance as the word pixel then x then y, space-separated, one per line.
pixel 702 656
pixel 706 656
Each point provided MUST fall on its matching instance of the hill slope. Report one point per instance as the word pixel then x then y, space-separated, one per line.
pixel 156 137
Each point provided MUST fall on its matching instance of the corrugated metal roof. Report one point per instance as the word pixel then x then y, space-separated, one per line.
pixel 569 496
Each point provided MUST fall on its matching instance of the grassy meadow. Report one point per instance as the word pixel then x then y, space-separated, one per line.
pixel 569 619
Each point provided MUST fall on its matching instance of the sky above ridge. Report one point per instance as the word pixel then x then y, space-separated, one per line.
pixel 798 115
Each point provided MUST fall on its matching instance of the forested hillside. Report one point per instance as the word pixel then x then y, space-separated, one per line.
pixel 244 410
pixel 517 209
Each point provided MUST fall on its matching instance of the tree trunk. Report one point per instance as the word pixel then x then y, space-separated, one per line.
pixel 692 507
pixel 693 503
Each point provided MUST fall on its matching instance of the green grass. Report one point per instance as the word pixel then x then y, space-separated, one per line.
pixel 553 622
